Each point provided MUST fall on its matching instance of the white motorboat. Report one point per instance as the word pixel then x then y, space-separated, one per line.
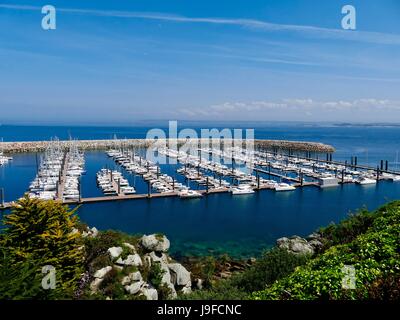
pixel 242 189
pixel 365 181
pixel 128 190
pixel 284 187
pixel 396 178
pixel 187 194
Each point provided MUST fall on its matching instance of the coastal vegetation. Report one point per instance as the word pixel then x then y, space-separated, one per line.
pixel 112 265
pixel 271 266
pixel 367 241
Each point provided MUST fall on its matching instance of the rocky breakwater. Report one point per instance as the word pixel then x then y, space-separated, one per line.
pixel 144 270
pixel 275 145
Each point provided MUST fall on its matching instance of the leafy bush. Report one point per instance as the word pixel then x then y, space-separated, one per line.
pixel 348 229
pixel 273 265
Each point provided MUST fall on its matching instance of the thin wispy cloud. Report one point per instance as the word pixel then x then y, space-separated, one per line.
pixel 306 106
pixel 251 24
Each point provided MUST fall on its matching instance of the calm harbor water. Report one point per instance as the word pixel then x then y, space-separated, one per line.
pixel 240 225
pixel 370 144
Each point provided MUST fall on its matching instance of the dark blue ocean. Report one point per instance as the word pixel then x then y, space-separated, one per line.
pixel 241 226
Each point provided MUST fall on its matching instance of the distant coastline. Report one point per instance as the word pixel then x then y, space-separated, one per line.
pixel 200 123
pixel 378 124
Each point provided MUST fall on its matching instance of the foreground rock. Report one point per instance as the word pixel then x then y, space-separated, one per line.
pixel 298 245
pixel 131 260
pixel 157 243
pixel 93 232
pixel 115 252
pixel 98 278
pixel 180 276
pixel 137 265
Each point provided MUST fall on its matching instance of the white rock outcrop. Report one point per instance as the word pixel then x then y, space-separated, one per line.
pixel 127 261
pixel 115 252
pixel 94 285
pixel 134 287
pixel 131 260
pixel 92 233
pixel 130 246
pixel 179 275
pixel 155 243
pixel 134 276
pixel 102 272
pixel 149 292
pixel 295 245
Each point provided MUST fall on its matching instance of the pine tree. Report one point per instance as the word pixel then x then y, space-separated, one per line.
pixel 43 232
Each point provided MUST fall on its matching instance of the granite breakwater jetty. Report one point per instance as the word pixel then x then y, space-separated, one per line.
pixel 274 145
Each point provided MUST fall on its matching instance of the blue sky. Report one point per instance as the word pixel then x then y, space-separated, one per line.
pixel 118 62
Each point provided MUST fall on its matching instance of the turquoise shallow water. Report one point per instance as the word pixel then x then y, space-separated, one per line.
pixel 241 226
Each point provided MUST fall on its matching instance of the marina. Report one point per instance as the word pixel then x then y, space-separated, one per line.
pixel 232 170
pixel 224 217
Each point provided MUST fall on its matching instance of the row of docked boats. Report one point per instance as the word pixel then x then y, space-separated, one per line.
pixel 58 172
pixel 202 179
pixel 112 183
pixel 320 171
pixel 194 168
pixel 45 184
pixel 74 169
pixel 151 173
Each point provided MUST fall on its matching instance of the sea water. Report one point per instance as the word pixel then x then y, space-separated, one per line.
pixel 241 226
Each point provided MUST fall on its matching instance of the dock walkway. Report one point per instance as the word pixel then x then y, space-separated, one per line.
pixel 63 178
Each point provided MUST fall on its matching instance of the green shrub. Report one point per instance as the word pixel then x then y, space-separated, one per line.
pixel 111 285
pixel 155 275
pixel 19 280
pixel 273 265
pixel 348 229
pixel 164 292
